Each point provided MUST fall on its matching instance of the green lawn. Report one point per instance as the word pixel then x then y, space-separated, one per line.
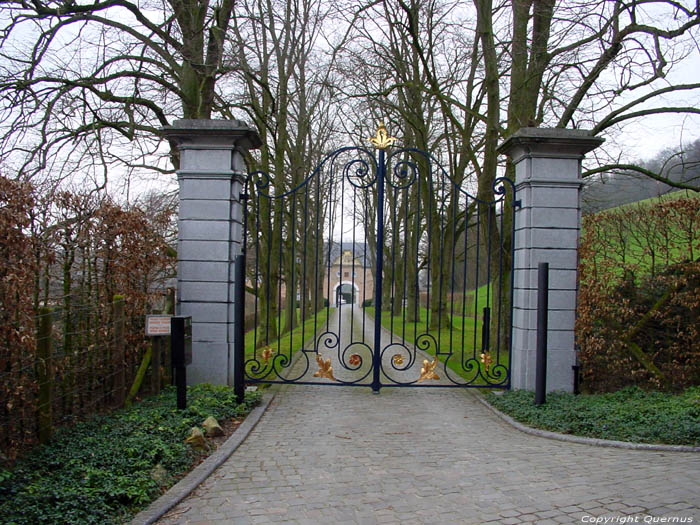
pixel 462 337
pixel 287 345
pixel 640 237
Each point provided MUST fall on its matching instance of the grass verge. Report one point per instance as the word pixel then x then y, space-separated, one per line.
pixel 463 332
pixel 286 345
pixel 631 414
pixel 108 468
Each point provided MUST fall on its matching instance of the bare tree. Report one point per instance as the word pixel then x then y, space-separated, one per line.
pixel 88 85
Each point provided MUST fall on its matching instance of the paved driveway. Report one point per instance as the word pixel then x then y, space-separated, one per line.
pixel 343 455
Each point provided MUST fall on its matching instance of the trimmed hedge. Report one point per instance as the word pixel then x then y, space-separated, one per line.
pixel 638 316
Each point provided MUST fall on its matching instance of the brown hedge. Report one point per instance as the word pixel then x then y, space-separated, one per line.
pixel 638 317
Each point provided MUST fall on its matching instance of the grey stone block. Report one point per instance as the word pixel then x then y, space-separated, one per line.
pixel 552 217
pixel 206 158
pixel 561 319
pixel 198 271
pixel 558 259
pixel 194 230
pixel 203 251
pixel 238 164
pixel 553 170
pixel 204 292
pixel 237 212
pixel 210 332
pixel 201 209
pixel 561 339
pixel 236 230
pixel 523 368
pixel 560 375
pixel 546 237
pixel 210 363
pixel 558 279
pixel 565 218
pixel 558 300
pixel 214 188
pixel 556 339
pixel 556 319
pixel 524 319
pixel 555 196
pixel 205 311
pixel 563 279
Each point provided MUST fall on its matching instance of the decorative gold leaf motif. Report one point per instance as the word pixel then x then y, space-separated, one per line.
pixel 397 359
pixel 324 368
pixel 267 354
pixel 428 370
pixel 382 140
pixel 355 360
pixel 486 359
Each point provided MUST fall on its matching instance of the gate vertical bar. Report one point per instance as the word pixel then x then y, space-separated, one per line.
pixel 376 355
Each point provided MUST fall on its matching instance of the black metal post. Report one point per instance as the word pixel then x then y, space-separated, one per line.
pixel 542 310
pixel 376 355
pixel 181 354
pixel 181 386
pixel 239 320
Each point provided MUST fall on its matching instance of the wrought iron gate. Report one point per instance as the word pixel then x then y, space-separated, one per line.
pixel 369 232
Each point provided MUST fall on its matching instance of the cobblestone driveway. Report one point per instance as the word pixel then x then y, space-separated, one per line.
pixel 343 455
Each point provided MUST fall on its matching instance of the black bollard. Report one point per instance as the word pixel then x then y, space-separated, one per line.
pixel 181 355
pixel 542 309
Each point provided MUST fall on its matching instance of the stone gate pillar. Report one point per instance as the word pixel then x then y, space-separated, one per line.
pixel 211 174
pixel 548 183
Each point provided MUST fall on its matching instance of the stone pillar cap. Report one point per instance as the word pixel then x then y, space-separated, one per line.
pixel 186 129
pixel 579 141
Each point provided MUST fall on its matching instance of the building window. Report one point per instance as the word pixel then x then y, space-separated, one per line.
pixel 346 274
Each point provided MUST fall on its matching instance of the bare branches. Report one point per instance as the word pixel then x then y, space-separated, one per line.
pixel 101 76
pixel 617 168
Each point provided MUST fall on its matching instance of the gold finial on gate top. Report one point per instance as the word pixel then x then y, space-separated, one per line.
pixel 382 140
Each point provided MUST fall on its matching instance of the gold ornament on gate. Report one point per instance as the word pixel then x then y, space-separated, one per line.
pixel 487 360
pixel 428 370
pixel 382 140
pixel 267 354
pixel 397 359
pixel 324 368
pixel 355 360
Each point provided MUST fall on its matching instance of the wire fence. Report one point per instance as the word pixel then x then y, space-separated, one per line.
pixel 71 364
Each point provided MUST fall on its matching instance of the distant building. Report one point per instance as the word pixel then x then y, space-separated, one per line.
pixel 348 276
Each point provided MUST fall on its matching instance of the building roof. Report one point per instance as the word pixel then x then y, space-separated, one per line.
pixel 359 251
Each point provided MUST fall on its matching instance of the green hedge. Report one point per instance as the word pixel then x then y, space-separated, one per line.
pixel 100 471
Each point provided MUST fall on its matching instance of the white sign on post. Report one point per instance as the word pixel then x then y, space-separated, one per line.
pixel 157 325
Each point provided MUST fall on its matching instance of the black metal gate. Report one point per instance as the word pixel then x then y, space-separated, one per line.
pixel 377 269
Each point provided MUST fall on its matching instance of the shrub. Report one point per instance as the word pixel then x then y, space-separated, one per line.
pixel 638 320
pixel 100 471
pixel 630 414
